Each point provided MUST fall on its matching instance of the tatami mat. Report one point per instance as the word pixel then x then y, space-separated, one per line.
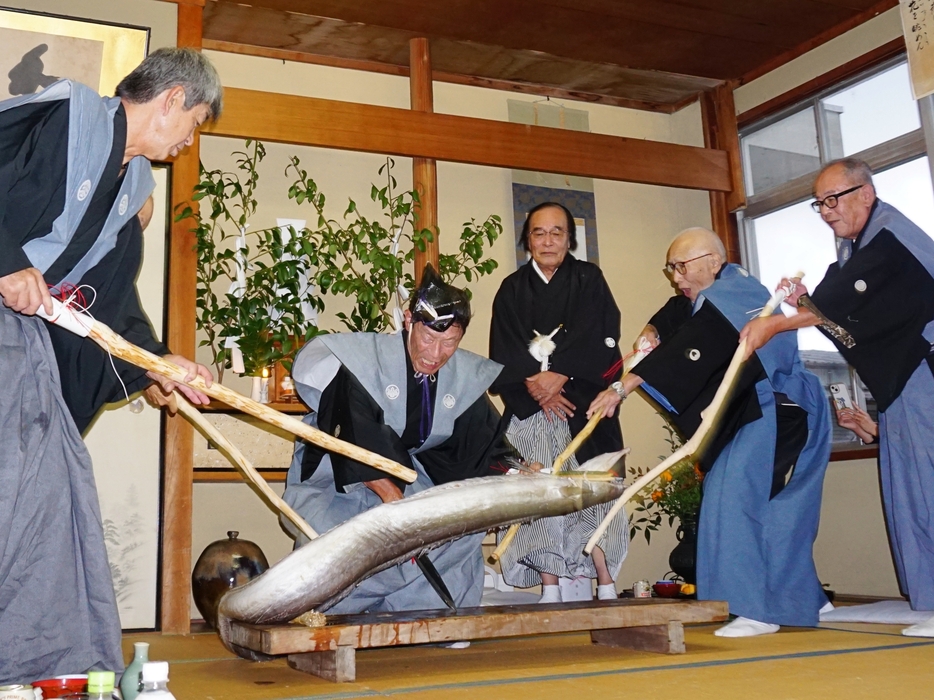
pixel 839 661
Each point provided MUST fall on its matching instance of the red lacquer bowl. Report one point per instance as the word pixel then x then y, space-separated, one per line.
pixel 667 589
pixel 58 687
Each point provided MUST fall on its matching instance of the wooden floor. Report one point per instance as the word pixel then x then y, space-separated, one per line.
pixel 842 661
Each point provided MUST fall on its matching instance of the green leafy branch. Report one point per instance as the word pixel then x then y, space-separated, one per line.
pixel 266 316
pixel 367 259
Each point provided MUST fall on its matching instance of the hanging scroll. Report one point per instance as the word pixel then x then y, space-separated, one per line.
pixel 918 27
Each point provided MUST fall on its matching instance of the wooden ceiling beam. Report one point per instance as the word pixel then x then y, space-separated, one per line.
pixel 822 38
pixel 313 39
pixel 351 126
pixel 521 88
pixel 834 76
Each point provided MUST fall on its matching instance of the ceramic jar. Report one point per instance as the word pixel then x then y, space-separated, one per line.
pixel 223 565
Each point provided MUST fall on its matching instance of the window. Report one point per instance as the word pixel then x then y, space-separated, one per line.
pixel 872 117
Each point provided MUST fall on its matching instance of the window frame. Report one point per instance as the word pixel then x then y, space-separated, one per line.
pixel 880 157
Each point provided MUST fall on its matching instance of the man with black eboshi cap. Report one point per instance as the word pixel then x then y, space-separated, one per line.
pixel 416 399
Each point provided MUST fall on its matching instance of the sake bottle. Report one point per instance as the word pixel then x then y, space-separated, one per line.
pixel 155 681
pixel 131 682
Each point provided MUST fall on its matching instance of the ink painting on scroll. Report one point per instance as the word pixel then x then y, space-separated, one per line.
pixel 38 49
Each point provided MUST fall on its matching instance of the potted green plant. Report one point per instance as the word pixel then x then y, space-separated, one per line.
pixel 253 296
pixel 258 290
pixel 369 260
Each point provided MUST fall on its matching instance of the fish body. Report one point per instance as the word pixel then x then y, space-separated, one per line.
pixel 322 572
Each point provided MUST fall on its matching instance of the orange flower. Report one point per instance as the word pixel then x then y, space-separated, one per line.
pixel 697 471
pixel 657 495
pixel 666 475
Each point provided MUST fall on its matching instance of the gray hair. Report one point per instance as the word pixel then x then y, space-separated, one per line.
pixel 857 171
pixel 166 68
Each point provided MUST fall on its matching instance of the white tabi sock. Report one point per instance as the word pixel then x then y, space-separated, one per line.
pixel 607 591
pixel 828 607
pixel 744 627
pixel 922 629
pixel 457 645
pixel 550 594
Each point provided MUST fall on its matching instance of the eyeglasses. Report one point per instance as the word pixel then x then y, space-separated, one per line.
pixel 556 232
pixel 682 267
pixel 830 201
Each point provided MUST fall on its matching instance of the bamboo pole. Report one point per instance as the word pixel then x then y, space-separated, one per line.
pixel 710 418
pixel 247 470
pixel 84 325
pixel 572 447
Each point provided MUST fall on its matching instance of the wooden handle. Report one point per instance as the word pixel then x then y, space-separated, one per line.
pixel 573 446
pixel 504 543
pixel 247 470
pixel 710 418
pixel 117 346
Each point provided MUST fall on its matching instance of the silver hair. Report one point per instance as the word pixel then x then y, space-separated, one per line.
pixel 856 170
pixel 166 68
pixel 710 238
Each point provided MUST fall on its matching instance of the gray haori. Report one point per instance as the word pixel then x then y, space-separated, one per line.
pixel 90 141
pixel 461 381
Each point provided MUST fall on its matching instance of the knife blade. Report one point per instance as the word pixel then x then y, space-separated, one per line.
pixel 434 578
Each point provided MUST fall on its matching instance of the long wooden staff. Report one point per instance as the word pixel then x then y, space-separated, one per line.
pixel 710 419
pixel 85 326
pixel 631 361
pixel 247 470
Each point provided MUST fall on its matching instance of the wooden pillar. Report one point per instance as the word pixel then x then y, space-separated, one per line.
pixel 718 112
pixel 179 435
pixel 424 170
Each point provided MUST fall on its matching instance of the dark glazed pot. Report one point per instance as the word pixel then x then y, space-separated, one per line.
pixel 683 558
pixel 223 565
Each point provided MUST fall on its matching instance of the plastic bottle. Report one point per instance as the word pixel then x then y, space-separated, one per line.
pixel 101 685
pixel 155 680
pixel 131 682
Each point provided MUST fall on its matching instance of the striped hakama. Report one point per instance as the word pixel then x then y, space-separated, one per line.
pixel 556 545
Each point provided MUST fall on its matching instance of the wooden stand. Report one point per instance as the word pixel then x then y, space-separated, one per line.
pixel 330 651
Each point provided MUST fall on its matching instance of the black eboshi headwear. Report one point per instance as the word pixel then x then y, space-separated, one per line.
pixel 439 305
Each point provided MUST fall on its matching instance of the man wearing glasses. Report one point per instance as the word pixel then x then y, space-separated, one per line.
pixel 765 466
pixel 881 290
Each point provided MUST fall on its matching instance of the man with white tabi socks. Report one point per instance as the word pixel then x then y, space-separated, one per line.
pixel 765 467
pixel 881 292
pixel 556 331
pixel 414 398
pixel 74 173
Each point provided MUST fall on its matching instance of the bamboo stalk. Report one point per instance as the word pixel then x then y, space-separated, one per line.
pixel 247 470
pixel 104 336
pixel 710 418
